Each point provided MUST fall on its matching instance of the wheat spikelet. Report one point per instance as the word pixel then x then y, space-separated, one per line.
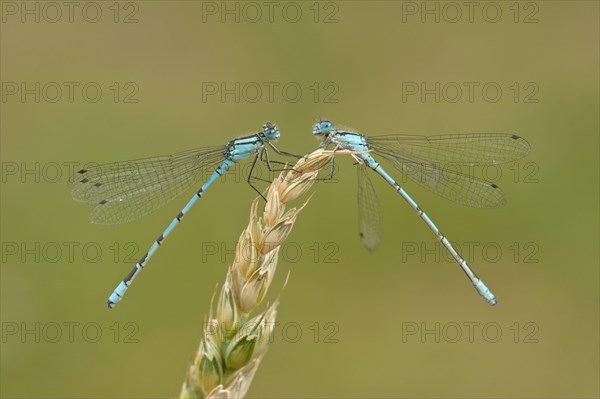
pixel 234 344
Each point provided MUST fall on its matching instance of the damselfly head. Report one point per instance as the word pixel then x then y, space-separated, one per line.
pixel 323 128
pixel 270 130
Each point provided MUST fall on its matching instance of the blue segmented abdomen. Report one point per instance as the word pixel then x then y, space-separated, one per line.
pixel 119 292
pixel 483 290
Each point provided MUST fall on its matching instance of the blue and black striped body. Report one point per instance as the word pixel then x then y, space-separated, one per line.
pixel 348 140
pixel 235 151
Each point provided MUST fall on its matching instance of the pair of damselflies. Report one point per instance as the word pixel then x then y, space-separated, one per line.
pixel 124 191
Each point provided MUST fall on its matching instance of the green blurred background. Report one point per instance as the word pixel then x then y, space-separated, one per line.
pixel 546 278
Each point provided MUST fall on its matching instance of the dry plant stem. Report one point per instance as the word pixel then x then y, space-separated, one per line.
pixel 234 343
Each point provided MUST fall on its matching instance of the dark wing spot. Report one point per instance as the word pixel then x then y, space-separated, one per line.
pixel 103 202
pixel 515 137
pixel 97 184
pixel 494 186
pixel 85 180
pixel 82 171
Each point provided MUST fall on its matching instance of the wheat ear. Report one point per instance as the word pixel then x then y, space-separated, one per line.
pixel 234 344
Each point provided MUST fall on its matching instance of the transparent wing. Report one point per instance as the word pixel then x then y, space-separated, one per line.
pixel 463 189
pixel 461 149
pixel 369 212
pixel 125 191
pixel 434 163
